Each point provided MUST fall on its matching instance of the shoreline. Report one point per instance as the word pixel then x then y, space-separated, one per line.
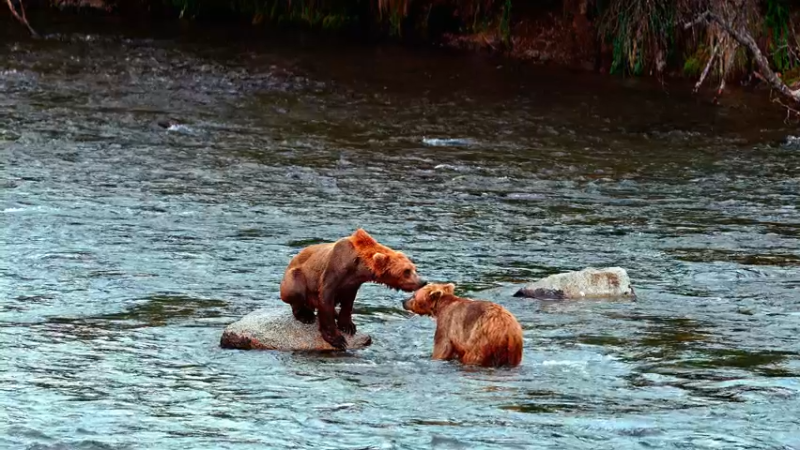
pixel 539 41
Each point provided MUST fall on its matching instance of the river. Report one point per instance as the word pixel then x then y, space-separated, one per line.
pixel 127 247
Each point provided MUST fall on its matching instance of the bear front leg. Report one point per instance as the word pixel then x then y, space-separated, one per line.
pixel 341 262
pixel 327 327
pixel 442 351
pixel 344 321
pixel 442 348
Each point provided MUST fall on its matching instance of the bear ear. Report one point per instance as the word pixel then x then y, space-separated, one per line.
pixel 380 259
pixel 449 288
pixel 436 295
pixel 362 238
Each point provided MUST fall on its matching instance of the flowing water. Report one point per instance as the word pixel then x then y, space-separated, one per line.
pixel 127 247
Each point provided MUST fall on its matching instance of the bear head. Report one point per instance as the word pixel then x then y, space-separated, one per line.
pixel 394 269
pixel 389 267
pixel 425 299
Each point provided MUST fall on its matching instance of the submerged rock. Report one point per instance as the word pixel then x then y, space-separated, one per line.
pixel 608 282
pixel 277 329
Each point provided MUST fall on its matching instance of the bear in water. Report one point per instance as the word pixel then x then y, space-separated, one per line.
pixel 475 332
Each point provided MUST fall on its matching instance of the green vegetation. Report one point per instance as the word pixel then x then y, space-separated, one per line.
pixel 777 22
pixel 505 23
pixel 319 14
pixel 396 18
pixel 693 65
pixel 644 36
pixel 641 32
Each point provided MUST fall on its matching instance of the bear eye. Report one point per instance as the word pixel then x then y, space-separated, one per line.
pixel 407 273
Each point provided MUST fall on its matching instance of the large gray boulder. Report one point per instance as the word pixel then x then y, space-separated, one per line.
pixel 608 282
pixel 277 329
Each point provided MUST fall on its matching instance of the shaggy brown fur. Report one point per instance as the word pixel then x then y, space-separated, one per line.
pixel 474 332
pixel 322 276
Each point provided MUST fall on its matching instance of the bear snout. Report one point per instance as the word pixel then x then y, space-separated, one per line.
pixel 412 285
pixel 406 304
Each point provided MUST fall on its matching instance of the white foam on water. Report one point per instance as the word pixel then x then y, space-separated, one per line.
pixel 179 128
pixel 550 362
pixel 447 142
pixel 21 209
pixel 446 166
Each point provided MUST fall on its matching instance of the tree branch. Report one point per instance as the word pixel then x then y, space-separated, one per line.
pixel 697 21
pixel 744 38
pixel 21 18
pixel 789 110
pixel 708 66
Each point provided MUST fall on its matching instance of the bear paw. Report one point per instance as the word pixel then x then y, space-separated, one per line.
pixel 347 328
pixel 338 342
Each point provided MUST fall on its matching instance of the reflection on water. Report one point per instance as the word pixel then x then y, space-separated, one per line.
pixel 127 247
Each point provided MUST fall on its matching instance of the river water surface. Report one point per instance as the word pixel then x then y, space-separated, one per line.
pixel 127 248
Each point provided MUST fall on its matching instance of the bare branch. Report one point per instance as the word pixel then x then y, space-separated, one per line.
pixel 794 51
pixel 744 38
pixel 708 66
pixel 21 18
pixel 789 110
pixel 697 21
pixel 720 90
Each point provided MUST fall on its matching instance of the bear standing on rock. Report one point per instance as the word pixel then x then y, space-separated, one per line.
pixel 322 276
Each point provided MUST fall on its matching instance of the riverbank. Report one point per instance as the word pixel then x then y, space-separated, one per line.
pixel 665 41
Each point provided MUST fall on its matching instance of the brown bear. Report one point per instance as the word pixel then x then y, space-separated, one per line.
pixel 474 332
pixel 322 276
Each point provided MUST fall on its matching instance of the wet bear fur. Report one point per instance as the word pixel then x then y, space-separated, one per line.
pixel 474 332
